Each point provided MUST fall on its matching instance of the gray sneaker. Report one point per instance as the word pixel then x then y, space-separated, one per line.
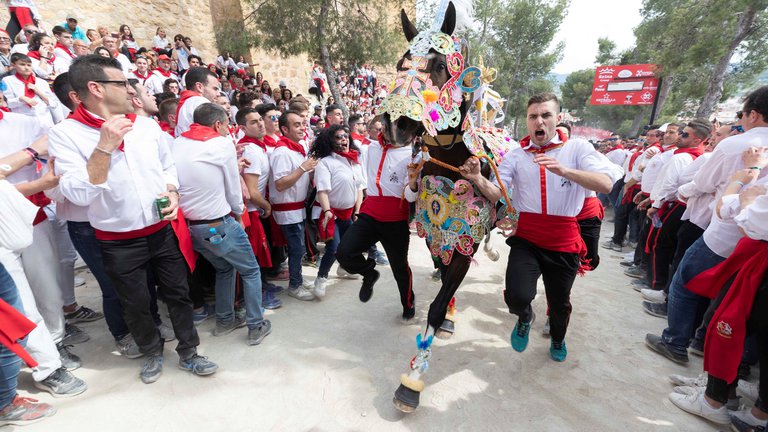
pixel 198 365
pixel 74 335
pixel 255 336
pixel 128 348
pixel 152 369
pixel 300 293
pixel 166 332
pixel 68 360
pixel 222 329
pixel 61 383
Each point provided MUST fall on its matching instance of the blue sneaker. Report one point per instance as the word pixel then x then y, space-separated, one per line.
pixel 199 317
pixel 269 301
pixel 272 288
pixel 557 351
pixel 381 258
pixel 198 365
pixel 519 337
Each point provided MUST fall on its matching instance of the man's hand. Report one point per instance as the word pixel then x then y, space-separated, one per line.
pixel 755 157
pixel 642 205
pixel 29 101
pixel 267 211
pixel 172 211
pixel 749 195
pixel 326 217
pixel 113 131
pixel 745 176
pixel 652 211
pixel 471 169
pixel 309 164
pixel 243 163
pixel 413 176
pixel 551 164
pixel 49 180
pixel 651 152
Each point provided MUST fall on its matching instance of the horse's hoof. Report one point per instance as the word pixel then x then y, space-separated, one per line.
pixel 406 400
pixel 446 330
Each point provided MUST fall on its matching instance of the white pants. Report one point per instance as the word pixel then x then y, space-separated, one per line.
pixel 40 344
pixel 67 258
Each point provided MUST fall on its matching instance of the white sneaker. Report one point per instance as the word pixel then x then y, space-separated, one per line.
pixel 654 296
pixel 319 289
pixel 747 417
pixel 300 293
pixel 688 390
pixel 697 405
pixel 343 274
pixel 748 390
pixel 79 281
pixel 680 380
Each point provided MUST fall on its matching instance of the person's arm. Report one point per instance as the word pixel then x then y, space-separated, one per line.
pixel 471 171
pixel 48 180
pixel 22 158
pixel 112 133
pixel 597 182
pixel 231 172
pixel 252 183
pixel 286 182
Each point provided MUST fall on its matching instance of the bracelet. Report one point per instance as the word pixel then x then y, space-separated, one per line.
pixel 302 168
pixel 755 168
pixel 175 191
pixel 33 153
pixel 102 150
pixel 738 183
pixel 326 211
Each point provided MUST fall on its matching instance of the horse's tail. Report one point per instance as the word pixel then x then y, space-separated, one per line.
pixel 491 252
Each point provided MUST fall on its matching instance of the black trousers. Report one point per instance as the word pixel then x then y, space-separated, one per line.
pixel 202 282
pixel 127 263
pixel 394 237
pixel 558 269
pixel 590 233
pixel 641 258
pixel 664 246
pixel 687 235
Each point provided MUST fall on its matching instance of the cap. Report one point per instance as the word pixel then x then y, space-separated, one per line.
pixel 318 107
pixel 282 84
pixel 71 16
pixel 663 127
pixel 163 57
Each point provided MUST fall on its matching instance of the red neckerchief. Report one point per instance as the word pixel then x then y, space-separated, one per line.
pixel 66 50
pixel 634 157
pixel 383 142
pixel 618 147
pixel 83 116
pixel 250 140
pixel 27 81
pixel 36 55
pixel 2 110
pixel 363 140
pixel 199 132
pixel 139 76
pixel 183 97
pixel 526 145
pixel 351 156
pixel 672 147
pixel 166 74
pixel 693 151
pixel 293 146
pixel 269 141
pixel 166 127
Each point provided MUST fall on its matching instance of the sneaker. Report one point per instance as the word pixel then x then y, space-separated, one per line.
pixel 697 405
pixel 655 343
pixel 166 332
pixel 152 369
pixel 300 293
pixel 269 301
pixel 366 290
pixel 23 411
pixel 198 365
pixel 635 272
pixel 612 246
pixel 409 313
pixel 632 245
pixel 680 380
pixel 689 390
pixel 128 348
pixel 696 348
pixel 748 390
pixel 653 296
pixel 199 316
pixel 68 360
pixel 262 330
pixel 282 275
pixel 655 309
pixel 74 335
pixel 79 281
pixel 436 276
pixel 630 263
pixel 519 336
pixel 381 258
pixel 557 351
pixel 61 383
pixel 272 288
pixel 545 330
pixel 744 420
pixel 319 289
pixel 639 285
pixel 222 329
pixel 343 274
pixel 306 261
pixel 83 314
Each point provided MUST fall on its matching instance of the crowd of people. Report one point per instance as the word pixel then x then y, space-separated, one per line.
pixel 180 181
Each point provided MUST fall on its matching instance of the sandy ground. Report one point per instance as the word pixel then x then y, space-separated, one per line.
pixel 334 365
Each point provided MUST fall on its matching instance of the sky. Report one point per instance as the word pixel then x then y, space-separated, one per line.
pixel 588 20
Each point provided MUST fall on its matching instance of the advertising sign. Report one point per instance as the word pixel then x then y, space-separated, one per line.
pixel 625 85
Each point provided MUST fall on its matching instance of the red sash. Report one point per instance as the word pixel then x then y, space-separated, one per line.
pixel 14 326
pixel 627 198
pixel 325 232
pixel 258 238
pixel 724 343
pixel 198 132
pixel 351 156
pixel 37 56
pixel 269 141
pixel 164 73
pixel 166 127
pixel 23 15
pixel 250 140
pixel 40 200
pixel 385 208
pixel 141 77
pixel 555 233
pixel 27 81
pixel 592 208
pixel 181 230
pixel 693 151
pixel 130 235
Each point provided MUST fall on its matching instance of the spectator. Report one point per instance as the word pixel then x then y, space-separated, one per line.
pixel 5 52
pixel 29 95
pixel 22 39
pixel 160 42
pixel 73 28
pixel 128 45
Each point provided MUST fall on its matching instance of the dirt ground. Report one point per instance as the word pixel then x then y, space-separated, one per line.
pixel 334 365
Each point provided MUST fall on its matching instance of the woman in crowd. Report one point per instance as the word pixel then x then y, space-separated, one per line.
pixel 128 45
pixel 102 52
pixel 160 42
pixel 259 78
pixel 266 91
pixel 286 94
pixel 41 52
pixel 340 182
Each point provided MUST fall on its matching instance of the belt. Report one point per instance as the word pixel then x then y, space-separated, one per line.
pixel 212 222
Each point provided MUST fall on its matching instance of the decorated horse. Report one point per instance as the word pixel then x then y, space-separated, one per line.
pixel 447 110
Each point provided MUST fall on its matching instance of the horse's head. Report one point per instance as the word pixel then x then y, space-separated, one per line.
pixel 427 93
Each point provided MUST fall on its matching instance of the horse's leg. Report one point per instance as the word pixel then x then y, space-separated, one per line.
pixel 452 276
pixel 407 394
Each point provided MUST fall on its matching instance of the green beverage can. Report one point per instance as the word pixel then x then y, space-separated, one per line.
pixel 160 204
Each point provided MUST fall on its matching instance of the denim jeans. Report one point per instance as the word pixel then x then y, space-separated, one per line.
pixel 84 238
pixel 233 254
pixel 684 308
pixel 329 257
pixel 294 236
pixel 10 363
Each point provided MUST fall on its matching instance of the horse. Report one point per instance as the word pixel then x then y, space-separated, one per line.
pixel 428 107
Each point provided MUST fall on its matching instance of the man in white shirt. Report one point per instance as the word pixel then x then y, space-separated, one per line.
pixel 121 168
pixel 29 95
pixel 209 184
pixel 548 177
pixel 202 87
pixel 110 43
pixel 64 49
pixel 142 71
pixel 162 73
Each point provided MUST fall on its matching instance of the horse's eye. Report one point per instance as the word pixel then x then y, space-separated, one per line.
pixel 441 67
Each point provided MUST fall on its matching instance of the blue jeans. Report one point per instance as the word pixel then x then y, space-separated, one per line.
pixel 10 363
pixel 234 253
pixel 684 308
pixel 294 235
pixel 84 239
pixel 329 257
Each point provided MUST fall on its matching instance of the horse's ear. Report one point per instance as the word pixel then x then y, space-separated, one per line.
pixel 409 29
pixel 449 22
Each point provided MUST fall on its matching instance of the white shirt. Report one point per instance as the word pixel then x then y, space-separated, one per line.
pixel 158 42
pixel 259 166
pixel 63 60
pixel 387 173
pixel 186 113
pixel 41 111
pixel 19 132
pixel 126 201
pixel 723 233
pixel 125 64
pixel 282 162
pixel 618 156
pixel 754 219
pixel 341 179
pixel 698 207
pixel 156 80
pixel 209 179
pixel 670 178
pixel 521 176
pixel 653 168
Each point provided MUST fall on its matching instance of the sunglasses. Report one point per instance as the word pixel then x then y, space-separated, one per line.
pixel 274 117
pixel 685 135
pixel 342 136
pixel 30 31
pixel 737 128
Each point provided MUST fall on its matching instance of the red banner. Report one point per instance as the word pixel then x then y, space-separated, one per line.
pixel 625 85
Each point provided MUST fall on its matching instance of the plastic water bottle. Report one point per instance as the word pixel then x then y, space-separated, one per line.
pixel 215 238
pixel 656 220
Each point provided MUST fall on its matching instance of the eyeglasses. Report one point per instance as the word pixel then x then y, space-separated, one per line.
pixel 5 39
pixel 123 83
pixel 30 31
pixel 342 136
pixel 659 134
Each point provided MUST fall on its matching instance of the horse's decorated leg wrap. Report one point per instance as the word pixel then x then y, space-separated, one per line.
pixel 407 394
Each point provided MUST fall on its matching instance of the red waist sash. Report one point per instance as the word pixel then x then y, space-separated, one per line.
pixel 386 208
pixel 288 206
pixel 555 233
pixel 592 208
pixel 627 198
pixel 130 235
pixel 326 231
pixel 14 326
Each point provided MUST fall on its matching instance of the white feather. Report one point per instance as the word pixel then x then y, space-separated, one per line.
pixel 465 15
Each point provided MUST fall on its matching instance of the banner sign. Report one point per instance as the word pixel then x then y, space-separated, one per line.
pixel 625 85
